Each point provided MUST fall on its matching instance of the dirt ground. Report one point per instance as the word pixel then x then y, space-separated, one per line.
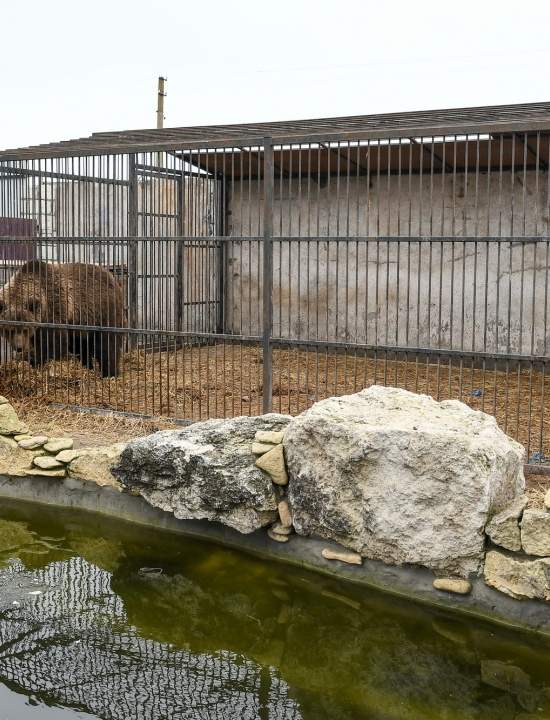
pixel 225 380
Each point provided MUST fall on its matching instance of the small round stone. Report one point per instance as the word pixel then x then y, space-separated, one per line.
pixel 280 529
pixel 275 536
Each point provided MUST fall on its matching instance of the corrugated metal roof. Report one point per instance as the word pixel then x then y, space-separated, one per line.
pixel 498 118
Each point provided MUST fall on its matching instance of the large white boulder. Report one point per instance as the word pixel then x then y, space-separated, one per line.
pixel 205 471
pixel 401 478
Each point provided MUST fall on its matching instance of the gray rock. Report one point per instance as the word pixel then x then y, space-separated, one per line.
pixel 206 471
pixel 518 577
pixel 503 528
pixel 400 477
pixel 535 532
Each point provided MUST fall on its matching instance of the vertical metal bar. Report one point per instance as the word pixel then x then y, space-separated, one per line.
pixel 132 247
pixel 267 276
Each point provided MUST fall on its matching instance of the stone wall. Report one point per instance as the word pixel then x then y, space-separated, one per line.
pixel 386 474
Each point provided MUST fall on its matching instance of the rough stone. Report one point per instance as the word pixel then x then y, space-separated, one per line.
pixel 55 445
pixel 204 471
pixel 260 448
pixel 520 578
pixel 503 528
pixel 273 437
pixel 9 422
pixel 95 465
pixel 400 477
pixel 277 537
pixel 535 532
pixel 453 585
pixel 273 462
pixel 67 456
pixel 3 400
pixel 547 500
pixel 7 442
pixel 45 462
pixel 285 516
pixel 34 442
pixel 14 461
pixel 351 558
pixel 47 473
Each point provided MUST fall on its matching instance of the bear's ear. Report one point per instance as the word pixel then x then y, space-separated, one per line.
pixel 34 267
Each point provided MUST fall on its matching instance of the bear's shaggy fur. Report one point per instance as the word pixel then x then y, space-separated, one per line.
pixel 65 294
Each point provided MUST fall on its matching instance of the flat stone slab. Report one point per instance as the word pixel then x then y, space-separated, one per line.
pixel 517 577
pixel 34 442
pixel 55 445
pixel 258 448
pixel 273 437
pixel 503 528
pixel 67 456
pixel 535 532
pixel 47 473
pixel 45 462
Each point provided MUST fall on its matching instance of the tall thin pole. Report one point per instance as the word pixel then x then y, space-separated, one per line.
pixel 160 102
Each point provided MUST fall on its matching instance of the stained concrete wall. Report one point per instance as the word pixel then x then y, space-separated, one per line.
pixel 476 296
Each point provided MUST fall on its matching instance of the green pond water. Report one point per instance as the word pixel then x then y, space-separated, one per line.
pixel 103 619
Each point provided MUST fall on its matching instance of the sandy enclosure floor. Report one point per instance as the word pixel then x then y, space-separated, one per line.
pixel 224 380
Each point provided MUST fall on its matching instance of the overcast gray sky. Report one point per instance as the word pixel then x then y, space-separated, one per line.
pixel 70 68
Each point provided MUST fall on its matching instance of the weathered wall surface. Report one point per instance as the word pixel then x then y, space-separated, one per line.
pixel 476 296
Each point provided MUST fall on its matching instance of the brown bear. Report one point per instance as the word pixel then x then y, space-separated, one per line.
pixel 70 294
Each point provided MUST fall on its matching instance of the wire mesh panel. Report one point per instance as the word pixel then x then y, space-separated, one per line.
pixel 267 274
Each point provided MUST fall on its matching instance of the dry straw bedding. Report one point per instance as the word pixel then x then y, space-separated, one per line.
pixel 224 380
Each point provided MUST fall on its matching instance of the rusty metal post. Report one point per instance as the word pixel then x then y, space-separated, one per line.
pixel 267 295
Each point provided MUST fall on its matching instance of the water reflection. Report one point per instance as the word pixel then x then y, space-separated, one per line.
pixel 217 635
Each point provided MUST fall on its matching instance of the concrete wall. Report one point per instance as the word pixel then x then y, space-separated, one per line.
pixel 476 296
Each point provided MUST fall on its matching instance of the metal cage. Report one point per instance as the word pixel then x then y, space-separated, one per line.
pixel 268 266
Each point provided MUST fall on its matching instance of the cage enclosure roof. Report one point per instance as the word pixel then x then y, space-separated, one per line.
pixel 498 119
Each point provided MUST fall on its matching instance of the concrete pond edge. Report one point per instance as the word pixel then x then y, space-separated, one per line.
pixel 406 582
